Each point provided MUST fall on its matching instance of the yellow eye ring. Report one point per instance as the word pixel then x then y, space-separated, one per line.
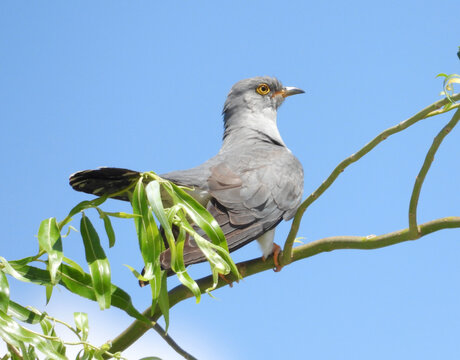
pixel 263 89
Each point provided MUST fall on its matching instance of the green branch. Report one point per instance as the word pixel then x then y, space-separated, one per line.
pixel 431 110
pixel 424 170
pixel 255 266
pixel 172 343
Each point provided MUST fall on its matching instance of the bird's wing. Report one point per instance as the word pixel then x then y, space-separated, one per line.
pixel 248 196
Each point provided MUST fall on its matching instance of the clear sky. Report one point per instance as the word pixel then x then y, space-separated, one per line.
pixel 141 85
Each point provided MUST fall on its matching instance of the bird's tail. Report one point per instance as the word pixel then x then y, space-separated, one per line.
pixel 104 181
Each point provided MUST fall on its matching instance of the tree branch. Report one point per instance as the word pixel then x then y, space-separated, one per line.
pixel 286 257
pixel 289 255
pixel 424 170
pixel 254 266
pixel 172 343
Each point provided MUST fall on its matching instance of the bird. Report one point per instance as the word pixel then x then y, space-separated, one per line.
pixel 251 185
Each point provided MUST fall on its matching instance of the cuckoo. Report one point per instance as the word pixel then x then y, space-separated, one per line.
pixel 251 185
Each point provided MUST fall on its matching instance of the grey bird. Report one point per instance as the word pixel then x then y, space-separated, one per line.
pixel 250 186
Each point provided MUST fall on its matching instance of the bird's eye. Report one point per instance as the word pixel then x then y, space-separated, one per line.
pixel 263 89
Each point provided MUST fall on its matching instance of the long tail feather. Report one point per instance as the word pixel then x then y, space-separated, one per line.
pixel 103 181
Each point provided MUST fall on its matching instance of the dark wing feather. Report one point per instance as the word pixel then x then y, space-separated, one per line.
pixel 104 181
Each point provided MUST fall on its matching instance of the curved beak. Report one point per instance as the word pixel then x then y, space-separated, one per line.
pixel 288 91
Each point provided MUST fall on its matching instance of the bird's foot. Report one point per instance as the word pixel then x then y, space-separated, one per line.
pixel 276 252
pixel 230 283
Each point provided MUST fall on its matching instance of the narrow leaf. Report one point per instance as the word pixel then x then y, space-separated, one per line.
pixel 154 197
pixel 26 260
pixel 150 240
pixel 86 205
pixel 4 292
pixel 37 276
pixel 49 292
pixel 98 263
pixel 182 274
pixel 81 284
pixel 23 314
pixel 136 273
pixel 163 300
pixel 49 238
pixel 201 217
pixel 12 333
pixel 81 321
pixel 73 264
pixel 108 227
pixel 47 327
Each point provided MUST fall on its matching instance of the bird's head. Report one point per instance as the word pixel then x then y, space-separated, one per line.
pixel 257 95
pixel 253 103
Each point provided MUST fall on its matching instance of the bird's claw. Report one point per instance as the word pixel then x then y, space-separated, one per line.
pixel 276 252
pixel 230 283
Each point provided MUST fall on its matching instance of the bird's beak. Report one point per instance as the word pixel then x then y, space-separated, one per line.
pixel 288 91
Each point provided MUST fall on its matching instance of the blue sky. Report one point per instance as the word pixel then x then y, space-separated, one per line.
pixel 141 85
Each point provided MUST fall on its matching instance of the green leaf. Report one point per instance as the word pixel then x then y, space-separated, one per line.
pixel 49 238
pixel 201 217
pixel 154 197
pixel 81 321
pixel 182 274
pixel 217 257
pixel 37 276
pixel 73 264
pixel 14 334
pixel 82 206
pixel 47 327
pixel 86 205
pixel 163 300
pixel 136 273
pixel 31 353
pixel 4 292
pixel 23 314
pixel 81 284
pixel 49 292
pixel 98 263
pixel 24 352
pixel 108 227
pixel 150 240
pixel 26 260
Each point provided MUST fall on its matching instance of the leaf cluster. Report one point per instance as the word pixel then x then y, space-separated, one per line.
pixel 156 204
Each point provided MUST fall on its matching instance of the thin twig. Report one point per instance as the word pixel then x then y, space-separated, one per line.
pixel 424 170
pixel 172 343
pixel 286 255
pixel 251 267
